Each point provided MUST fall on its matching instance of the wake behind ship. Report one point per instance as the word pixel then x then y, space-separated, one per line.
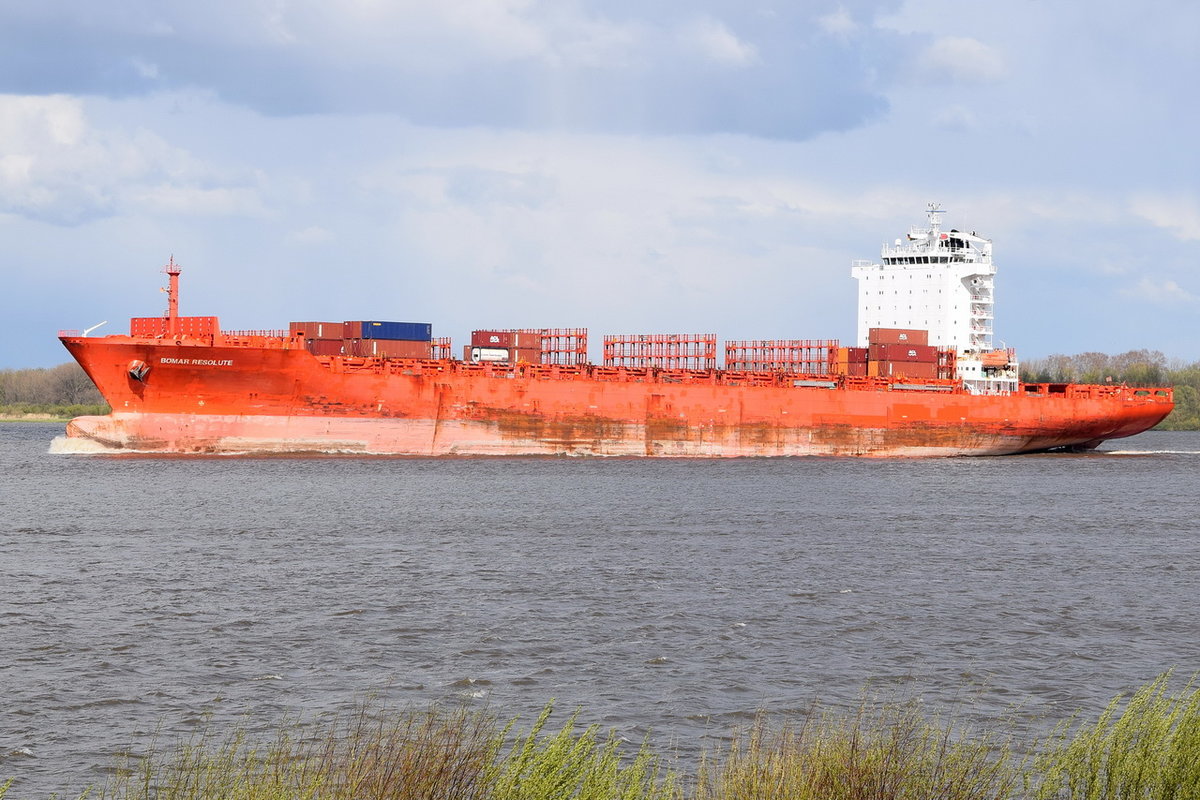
pixel 924 380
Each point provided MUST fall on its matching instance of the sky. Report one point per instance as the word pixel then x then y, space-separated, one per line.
pixel 673 167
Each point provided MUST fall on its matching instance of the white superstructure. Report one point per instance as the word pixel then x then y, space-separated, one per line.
pixel 942 282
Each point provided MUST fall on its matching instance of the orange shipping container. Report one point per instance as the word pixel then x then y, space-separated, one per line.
pixel 908 369
pixel 897 336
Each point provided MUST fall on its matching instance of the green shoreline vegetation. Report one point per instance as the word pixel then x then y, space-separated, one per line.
pixel 59 393
pixel 47 412
pixel 1135 368
pixel 48 394
pixel 1145 746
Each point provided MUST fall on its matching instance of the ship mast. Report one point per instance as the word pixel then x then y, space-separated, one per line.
pixel 935 222
pixel 172 269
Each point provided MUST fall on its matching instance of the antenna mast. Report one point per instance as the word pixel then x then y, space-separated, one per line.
pixel 172 269
pixel 935 222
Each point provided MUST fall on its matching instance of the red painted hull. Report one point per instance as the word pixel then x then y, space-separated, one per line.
pixel 226 395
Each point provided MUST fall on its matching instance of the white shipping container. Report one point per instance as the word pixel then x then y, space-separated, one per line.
pixel 490 354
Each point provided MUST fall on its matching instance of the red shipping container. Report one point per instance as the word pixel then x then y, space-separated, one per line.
pixel 317 330
pixel 183 326
pixel 352 329
pixel 386 348
pixel 492 338
pixel 897 336
pixel 856 355
pixel 509 339
pixel 525 355
pixel 324 347
pixel 904 352
pixel 148 326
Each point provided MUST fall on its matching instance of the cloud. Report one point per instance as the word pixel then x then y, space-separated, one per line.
pixel 838 23
pixel 586 66
pixel 146 69
pixel 955 118
pixel 717 43
pixel 310 236
pixel 194 201
pixel 1163 292
pixel 962 60
pixel 57 167
pixel 1179 214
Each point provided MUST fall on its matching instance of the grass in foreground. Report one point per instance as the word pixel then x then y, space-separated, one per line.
pixel 1146 747
pixel 415 755
pixel 889 751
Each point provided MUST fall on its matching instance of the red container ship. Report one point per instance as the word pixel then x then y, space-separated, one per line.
pixel 182 385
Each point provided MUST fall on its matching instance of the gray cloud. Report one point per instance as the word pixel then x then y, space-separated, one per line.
pixel 693 69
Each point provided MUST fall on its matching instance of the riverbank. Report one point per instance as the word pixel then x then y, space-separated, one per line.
pixel 1146 746
pixel 49 412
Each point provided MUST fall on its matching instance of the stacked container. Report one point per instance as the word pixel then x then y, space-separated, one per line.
pixel 901 353
pixel 320 338
pixel 851 361
pixel 371 338
pixel 366 338
pixel 317 330
pixel 504 347
pixel 394 331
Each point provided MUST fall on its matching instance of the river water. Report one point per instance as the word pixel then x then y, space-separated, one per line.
pixel 146 594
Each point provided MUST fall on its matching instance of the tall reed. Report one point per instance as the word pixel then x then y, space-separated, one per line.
pixel 436 754
pixel 884 751
pixel 1146 748
pixel 577 766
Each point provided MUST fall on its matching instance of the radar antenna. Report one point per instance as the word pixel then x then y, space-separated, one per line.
pixel 935 222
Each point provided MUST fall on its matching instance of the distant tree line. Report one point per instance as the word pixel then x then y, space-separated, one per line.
pixel 1135 368
pixel 65 390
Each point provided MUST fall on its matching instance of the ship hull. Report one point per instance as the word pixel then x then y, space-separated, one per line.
pixel 221 434
pixel 195 397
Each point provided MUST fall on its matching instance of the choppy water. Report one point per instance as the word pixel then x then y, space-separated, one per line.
pixel 677 596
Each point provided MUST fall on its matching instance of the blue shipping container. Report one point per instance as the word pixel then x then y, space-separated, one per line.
pixel 405 331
